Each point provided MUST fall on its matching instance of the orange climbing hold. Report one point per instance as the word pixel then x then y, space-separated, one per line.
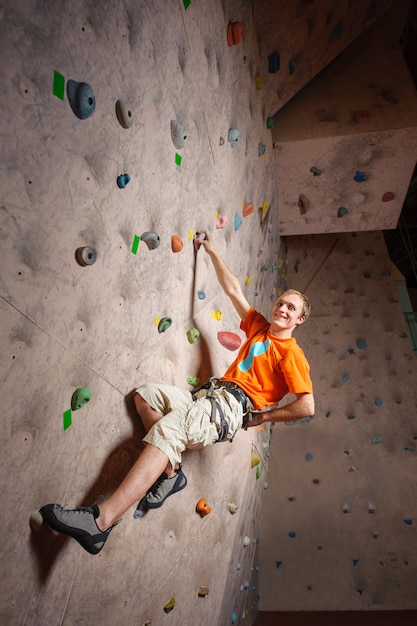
pixel 176 244
pixel 202 507
pixel 235 33
pixel 248 208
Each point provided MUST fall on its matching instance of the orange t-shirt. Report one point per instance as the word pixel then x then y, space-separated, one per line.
pixel 267 368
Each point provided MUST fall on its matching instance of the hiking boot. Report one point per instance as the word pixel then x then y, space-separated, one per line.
pixel 163 488
pixel 80 524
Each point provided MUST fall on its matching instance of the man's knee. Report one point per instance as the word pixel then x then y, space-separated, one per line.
pixel 140 402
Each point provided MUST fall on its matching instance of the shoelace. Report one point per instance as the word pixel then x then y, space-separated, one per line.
pixel 158 483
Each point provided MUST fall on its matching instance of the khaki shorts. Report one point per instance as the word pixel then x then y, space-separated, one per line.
pixel 186 422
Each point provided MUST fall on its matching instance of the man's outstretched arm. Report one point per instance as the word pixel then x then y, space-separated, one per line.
pixel 228 281
pixel 302 406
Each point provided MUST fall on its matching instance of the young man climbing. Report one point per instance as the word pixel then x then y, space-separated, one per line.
pixel 269 365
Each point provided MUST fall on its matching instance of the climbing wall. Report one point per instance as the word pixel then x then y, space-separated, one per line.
pixel 298 38
pixel 345 146
pixel 97 296
pixel 338 530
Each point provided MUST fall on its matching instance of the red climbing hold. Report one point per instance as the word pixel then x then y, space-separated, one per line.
pixel 360 117
pixel 231 341
pixel 388 196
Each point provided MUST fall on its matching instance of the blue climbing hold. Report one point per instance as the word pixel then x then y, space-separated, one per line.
pixel 360 177
pixel 261 149
pixel 309 457
pixel 274 62
pixel 238 221
pixel 378 402
pixel 201 295
pixel 123 180
pixel 278 564
pixel 346 378
pixel 361 344
pixel 336 32
pixel 292 66
pixel 292 534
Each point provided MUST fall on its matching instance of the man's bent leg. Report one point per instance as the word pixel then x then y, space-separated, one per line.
pixel 141 477
pixel 147 414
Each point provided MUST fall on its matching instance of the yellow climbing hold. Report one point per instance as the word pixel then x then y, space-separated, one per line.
pixel 255 459
pixel 169 605
pixel 217 315
pixel 156 321
pixel 264 207
pixel 259 82
pixel 191 234
pixel 248 280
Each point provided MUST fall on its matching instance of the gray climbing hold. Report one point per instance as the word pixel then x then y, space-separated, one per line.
pixel 151 239
pixel 234 136
pixel 178 135
pixel 81 98
pixel 124 114
pixel 86 255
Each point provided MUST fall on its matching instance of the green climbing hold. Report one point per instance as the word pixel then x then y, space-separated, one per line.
pixel 193 381
pixel 377 439
pixel 192 335
pixel 315 170
pixel 164 324
pixel 80 398
pixel 342 211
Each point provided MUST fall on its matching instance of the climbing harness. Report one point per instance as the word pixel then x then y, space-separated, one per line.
pixel 214 384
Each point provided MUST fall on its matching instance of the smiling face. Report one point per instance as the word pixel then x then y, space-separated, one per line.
pixel 287 314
